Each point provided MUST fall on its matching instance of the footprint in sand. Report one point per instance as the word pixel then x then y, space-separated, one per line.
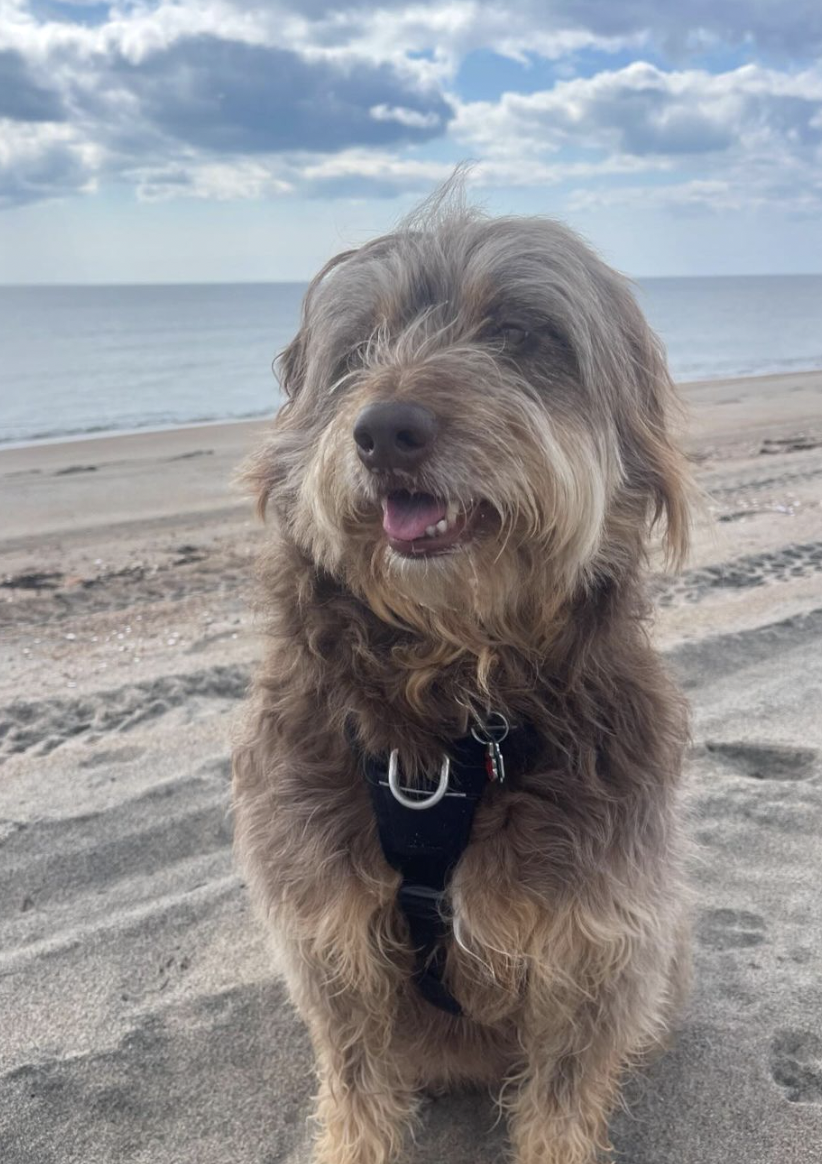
pixel 112 756
pixel 730 929
pixel 43 725
pixel 764 761
pixel 795 444
pixel 796 1065
pixel 800 560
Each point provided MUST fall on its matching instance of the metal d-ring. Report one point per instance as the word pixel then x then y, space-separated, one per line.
pixel 406 801
pixel 496 733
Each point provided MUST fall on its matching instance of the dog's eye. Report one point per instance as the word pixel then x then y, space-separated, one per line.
pixel 512 335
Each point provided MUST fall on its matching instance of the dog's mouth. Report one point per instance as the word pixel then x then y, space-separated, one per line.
pixel 419 524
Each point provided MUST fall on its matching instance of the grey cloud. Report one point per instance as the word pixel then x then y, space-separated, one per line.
pixel 681 133
pixel 208 99
pixel 792 28
pixel 649 122
pixel 22 98
pixel 657 123
pixel 231 97
pixel 58 170
pixel 364 186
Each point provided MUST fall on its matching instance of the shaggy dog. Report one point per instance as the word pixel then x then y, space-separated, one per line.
pixel 463 483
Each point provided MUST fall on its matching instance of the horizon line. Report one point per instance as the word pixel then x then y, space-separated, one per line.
pixel 69 284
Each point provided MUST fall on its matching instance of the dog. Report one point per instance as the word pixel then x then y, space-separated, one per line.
pixel 476 456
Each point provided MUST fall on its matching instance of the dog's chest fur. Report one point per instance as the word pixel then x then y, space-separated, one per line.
pixel 503 905
pixel 558 857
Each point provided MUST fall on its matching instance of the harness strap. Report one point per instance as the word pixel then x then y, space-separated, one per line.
pixel 425 845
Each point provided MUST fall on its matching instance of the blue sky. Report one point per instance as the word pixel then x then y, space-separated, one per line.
pixel 223 140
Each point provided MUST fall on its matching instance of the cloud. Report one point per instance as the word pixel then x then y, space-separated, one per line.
pixel 429 40
pixel 22 98
pixel 554 28
pixel 219 182
pixel 410 117
pixel 42 161
pixel 230 97
pixel 366 173
pixel 685 28
pixel 194 90
pixel 642 110
pixel 225 99
pixel 702 196
pixel 749 137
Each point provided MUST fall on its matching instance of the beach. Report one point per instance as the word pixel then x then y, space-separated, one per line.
pixel 141 1020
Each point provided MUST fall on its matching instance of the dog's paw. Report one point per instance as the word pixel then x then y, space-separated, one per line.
pixel 362 1128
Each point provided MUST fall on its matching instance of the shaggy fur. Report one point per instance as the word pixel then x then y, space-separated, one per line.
pixel 569 940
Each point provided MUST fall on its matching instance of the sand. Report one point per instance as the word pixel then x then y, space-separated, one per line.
pixel 140 1020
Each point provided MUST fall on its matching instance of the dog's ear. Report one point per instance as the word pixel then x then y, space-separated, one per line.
pixel 673 491
pixel 254 478
pixel 658 464
pixel 257 474
pixel 289 365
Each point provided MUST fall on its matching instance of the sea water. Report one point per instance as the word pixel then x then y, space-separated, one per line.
pixel 82 360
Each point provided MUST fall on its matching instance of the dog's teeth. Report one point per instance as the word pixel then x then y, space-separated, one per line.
pixel 442 526
pixel 451 512
pixel 430 531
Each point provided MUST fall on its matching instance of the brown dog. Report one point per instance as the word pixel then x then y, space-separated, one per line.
pixel 463 483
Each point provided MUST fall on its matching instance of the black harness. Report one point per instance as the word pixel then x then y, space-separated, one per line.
pixel 425 844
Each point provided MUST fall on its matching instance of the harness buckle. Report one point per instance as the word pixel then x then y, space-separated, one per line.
pixel 424 801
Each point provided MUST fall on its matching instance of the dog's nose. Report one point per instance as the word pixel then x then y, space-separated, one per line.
pixel 394 435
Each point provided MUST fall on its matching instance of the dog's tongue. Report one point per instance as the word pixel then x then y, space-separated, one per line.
pixel 406 516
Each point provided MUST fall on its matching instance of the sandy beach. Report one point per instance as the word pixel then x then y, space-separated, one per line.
pixel 141 1022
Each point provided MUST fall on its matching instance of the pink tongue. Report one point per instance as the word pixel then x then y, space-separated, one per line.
pixel 406 516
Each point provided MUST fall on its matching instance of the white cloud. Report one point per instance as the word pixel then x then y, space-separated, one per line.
pixel 711 196
pixel 358 173
pixel 40 160
pixel 445 33
pixel 751 136
pixel 641 109
pixel 219 182
pixel 409 117
pixel 529 171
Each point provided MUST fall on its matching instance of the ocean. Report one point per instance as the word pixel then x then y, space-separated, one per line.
pixel 83 360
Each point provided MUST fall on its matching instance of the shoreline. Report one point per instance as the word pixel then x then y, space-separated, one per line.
pixel 148 430
pixel 686 387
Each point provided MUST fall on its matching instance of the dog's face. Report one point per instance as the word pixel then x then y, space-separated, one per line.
pixel 476 424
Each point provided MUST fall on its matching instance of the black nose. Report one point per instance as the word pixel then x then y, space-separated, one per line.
pixel 394 435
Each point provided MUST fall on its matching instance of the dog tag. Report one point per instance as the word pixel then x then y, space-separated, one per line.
pixel 494 764
pixel 491 735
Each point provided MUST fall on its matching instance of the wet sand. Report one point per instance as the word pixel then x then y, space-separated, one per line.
pixel 141 1022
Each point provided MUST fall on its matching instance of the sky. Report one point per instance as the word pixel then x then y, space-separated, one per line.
pixel 220 140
